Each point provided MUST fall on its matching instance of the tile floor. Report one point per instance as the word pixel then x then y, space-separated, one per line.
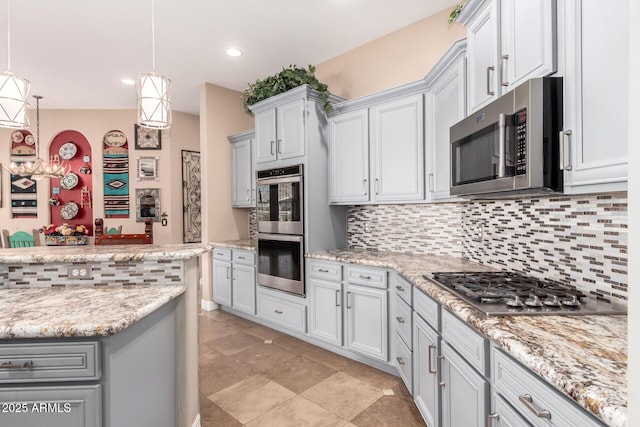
pixel 255 376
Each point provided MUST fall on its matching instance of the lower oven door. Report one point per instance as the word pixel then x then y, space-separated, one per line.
pixel 281 262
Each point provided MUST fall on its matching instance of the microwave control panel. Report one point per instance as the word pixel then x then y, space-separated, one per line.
pixel 521 141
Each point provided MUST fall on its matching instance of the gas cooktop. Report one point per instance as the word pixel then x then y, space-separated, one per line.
pixel 508 293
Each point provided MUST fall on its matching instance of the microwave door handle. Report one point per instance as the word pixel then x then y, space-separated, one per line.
pixel 502 144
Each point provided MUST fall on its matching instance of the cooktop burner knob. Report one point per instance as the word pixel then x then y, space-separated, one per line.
pixel 552 301
pixel 533 301
pixel 515 302
pixel 571 301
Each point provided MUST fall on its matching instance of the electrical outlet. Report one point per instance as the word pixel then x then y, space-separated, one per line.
pixel 367 226
pixel 79 272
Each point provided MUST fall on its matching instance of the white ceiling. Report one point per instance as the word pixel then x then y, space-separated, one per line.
pixel 75 52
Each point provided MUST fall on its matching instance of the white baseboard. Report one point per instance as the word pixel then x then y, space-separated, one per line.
pixel 207 305
pixel 196 422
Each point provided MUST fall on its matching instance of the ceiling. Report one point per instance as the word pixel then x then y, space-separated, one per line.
pixel 75 52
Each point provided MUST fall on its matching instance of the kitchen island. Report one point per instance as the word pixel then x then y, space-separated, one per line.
pixel 109 333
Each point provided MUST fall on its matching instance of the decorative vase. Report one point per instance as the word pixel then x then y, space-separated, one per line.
pixel 65 240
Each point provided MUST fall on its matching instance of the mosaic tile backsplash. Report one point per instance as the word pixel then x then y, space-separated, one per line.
pixel 578 240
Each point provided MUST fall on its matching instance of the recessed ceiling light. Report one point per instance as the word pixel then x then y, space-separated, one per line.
pixel 128 81
pixel 232 51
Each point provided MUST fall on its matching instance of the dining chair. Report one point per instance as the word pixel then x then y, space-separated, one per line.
pixel 20 239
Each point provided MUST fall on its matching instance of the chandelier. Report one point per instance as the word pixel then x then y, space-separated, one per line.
pixel 154 91
pixel 14 91
pixel 39 168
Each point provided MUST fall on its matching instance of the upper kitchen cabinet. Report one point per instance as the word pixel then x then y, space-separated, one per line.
pixel 243 187
pixel 376 148
pixel 508 42
pixel 280 132
pixel 595 66
pixel 445 105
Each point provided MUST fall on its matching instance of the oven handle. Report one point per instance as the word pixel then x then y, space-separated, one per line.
pixel 280 237
pixel 279 180
pixel 502 144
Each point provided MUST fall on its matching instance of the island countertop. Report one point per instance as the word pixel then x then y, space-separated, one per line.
pixel 92 253
pixel 585 357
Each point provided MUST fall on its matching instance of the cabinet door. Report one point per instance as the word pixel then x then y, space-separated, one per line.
pixel 397 140
pixel 366 321
pixel 244 288
pixel 222 282
pixel 528 41
pixel 349 157
pixel 482 45
pixel 504 415
pixel 446 106
pixel 596 96
pixel 265 136
pixel 325 310
pixel 241 175
pixel 290 130
pixel 426 392
pixel 463 387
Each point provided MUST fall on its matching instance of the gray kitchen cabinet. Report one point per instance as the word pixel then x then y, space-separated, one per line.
pixel 280 132
pixel 400 323
pixel 426 392
pixel 234 279
pixel 376 148
pixel 243 180
pixel 504 415
pixel 445 106
pixel 366 321
pixel 508 43
pixel 325 301
pixel 596 73
pixel 284 310
pixel 222 276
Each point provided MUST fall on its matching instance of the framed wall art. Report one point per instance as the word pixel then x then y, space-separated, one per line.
pixel 148 169
pixel 147 139
pixel 148 204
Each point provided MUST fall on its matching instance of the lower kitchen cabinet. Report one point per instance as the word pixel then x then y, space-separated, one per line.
pixel 234 279
pixel 222 276
pixel 504 415
pixel 325 310
pixel 366 321
pixel 426 392
pixel 284 310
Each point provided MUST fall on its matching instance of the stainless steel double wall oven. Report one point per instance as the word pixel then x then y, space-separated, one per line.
pixel 280 217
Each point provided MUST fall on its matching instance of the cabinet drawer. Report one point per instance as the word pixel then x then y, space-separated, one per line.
pixel 367 276
pixel 469 343
pixel 529 393
pixel 284 313
pixel 329 271
pixel 402 320
pixel 244 257
pixel 222 254
pixel 427 308
pixel 403 362
pixel 401 287
pixel 47 362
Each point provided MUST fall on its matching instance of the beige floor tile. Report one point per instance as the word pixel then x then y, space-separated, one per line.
pixel 263 357
pixel 215 315
pixel 209 356
pixel 297 412
pixel 251 398
pixel 390 411
pixel 343 395
pixel 214 332
pixel 235 343
pixel 327 358
pixel 211 415
pixel 264 333
pixel 370 375
pixel 241 323
pixel 299 373
pixel 294 345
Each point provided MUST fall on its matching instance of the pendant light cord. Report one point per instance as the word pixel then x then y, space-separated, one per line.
pixel 153 36
pixel 8 35
pixel 38 98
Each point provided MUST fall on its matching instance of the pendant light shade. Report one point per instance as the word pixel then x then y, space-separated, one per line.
pixel 154 101
pixel 154 91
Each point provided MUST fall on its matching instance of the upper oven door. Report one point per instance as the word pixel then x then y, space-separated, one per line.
pixel 279 205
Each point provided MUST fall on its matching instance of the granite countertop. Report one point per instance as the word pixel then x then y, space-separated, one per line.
pixel 585 357
pixel 78 311
pixel 247 245
pixel 92 253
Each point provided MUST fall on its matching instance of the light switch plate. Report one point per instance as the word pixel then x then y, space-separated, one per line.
pixel 80 272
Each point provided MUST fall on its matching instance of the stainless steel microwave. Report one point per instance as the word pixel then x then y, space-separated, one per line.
pixel 512 145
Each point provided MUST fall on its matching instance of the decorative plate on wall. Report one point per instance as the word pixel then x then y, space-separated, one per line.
pixel 17 136
pixel 69 181
pixel 69 211
pixel 68 150
pixel 29 140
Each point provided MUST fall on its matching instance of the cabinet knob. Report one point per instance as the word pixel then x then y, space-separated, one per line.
pixel 400 288
pixel 399 319
pixel 278 311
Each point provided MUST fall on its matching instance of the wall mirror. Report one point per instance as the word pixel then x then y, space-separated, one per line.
pixel 148 204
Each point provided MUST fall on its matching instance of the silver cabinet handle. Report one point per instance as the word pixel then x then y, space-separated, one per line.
pixel 248 194
pixel 219 253
pixel 228 269
pixel 489 70
pixel 502 144
pixel 377 186
pixel 431 182
pixel 430 361
pixel 561 152
pixel 278 311
pixel 323 270
pixel 337 297
pixel 503 70
pixel 232 270
pixel 364 187
pixel 439 370
pixel 241 257
pixel 11 365
pixel 399 319
pixel 400 361
pixel 272 142
pixel 490 419
pixel 348 295
pixel 362 276
pixel 279 146
pixel 400 288
pixel 527 401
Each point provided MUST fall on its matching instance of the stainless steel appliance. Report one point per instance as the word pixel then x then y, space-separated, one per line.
pixel 512 145
pixel 508 293
pixel 279 200
pixel 279 211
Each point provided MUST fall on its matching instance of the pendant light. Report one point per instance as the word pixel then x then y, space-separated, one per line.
pixel 154 91
pixel 39 168
pixel 14 91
